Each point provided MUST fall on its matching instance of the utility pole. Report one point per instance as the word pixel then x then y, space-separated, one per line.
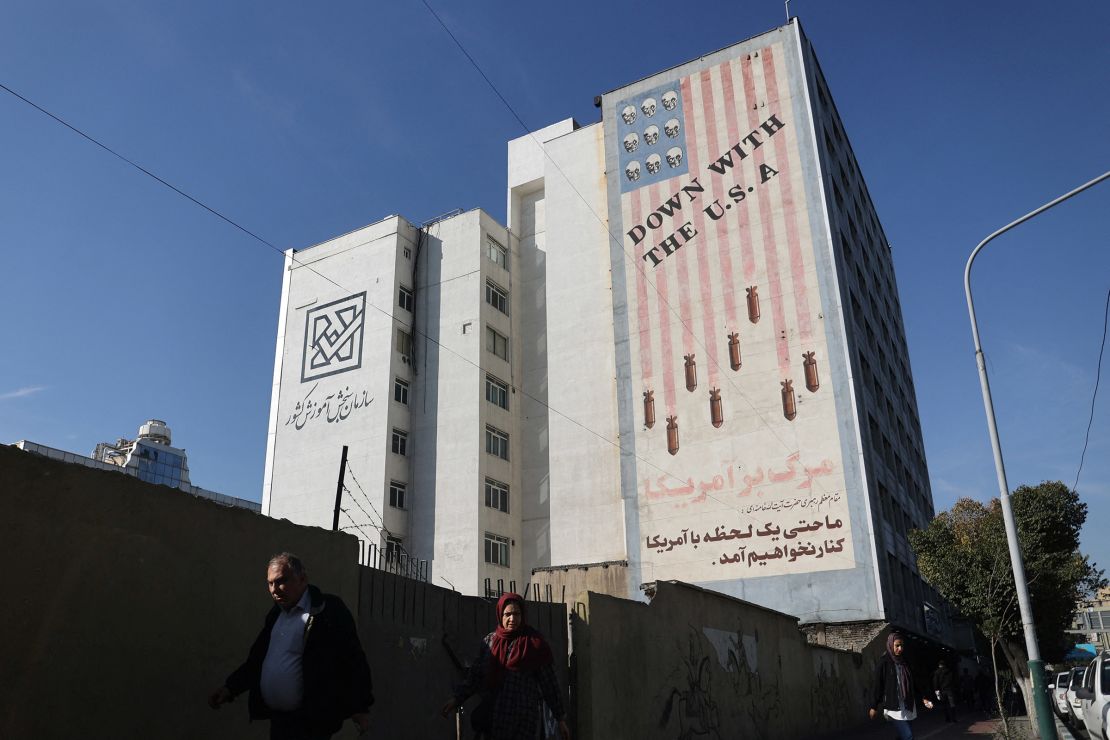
pixel 339 490
pixel 1045 725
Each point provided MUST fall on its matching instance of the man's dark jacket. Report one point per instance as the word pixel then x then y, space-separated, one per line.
pixel 944 679
pixel 336 675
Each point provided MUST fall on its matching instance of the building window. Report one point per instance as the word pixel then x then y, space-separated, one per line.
pixel 404 342
pixel 497 344
pixel 497 495
pixel 404 298
pixel 400 442
pixel 497 549
pixel 497 443
pixel 394 549
pixel 497 254
pixel 396 494
pixel 400 391
pixel 497 392
pixel 497 297
pixel 408 253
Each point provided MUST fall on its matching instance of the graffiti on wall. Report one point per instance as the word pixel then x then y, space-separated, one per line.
pixel 690 705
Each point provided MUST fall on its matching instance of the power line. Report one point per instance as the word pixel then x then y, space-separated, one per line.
pixel 1094 394
pixel 311 269
pixel 635 263
pixel 415 331
pixel 139 167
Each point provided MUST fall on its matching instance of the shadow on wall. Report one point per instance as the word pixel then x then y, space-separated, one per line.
pixel 123 594
pixel 697 664
pixel 129 602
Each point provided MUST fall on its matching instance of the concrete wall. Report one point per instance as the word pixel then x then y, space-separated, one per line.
pixel 571 583
pixel 413 633
pixel 128 602
pixel 694 663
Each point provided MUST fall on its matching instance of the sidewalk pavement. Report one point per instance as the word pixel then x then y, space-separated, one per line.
pixel 931 726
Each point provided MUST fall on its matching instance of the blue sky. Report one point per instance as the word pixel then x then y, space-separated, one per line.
pixel 123 301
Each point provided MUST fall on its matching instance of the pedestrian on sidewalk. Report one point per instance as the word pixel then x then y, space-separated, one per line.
pixel 513 671
pixel 944 683
pixel 894 689
pixel 967 689
pixel 306 671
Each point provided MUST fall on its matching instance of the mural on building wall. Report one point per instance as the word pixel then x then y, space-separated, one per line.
pixel 333 337
pixel 727 341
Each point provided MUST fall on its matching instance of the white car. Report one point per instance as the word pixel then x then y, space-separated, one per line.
pixel 1074 705
pixel 1060 693
pixel 1094 697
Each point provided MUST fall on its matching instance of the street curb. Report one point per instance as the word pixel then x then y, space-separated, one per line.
pixel 1063 730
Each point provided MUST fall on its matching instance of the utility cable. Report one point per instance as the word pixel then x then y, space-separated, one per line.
pixel 309 267
pixel 139 167
pixel 394 319
pixel 1094 394
pixel 620 244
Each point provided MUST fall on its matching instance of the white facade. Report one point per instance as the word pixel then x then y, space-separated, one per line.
pixel 697 337
pixel 410 405
pixel 794 468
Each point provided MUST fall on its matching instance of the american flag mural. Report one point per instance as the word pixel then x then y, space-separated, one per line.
pixel 737 446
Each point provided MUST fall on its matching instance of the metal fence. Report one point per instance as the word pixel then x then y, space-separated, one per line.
pixel 393 560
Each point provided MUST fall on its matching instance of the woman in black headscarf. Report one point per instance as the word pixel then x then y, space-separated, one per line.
pixel 894 691
pixel 513 672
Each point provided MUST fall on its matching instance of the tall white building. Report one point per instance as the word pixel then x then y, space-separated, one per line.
pixel 430 416
pixel 690 358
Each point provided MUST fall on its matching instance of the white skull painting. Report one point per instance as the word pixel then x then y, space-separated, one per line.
pixel 674 157
pixel 629 114
pixel 651 135
pixel 654 163
pixel 632 171
pixel 631 142
pixel 670 100
pixel 648 107
pixel 671 127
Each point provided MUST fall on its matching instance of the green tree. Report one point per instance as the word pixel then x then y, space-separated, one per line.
pixel 963 554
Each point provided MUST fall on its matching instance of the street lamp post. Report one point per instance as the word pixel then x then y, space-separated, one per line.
pixel 1045 725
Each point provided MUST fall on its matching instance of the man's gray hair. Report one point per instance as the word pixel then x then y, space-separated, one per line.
pixel 290 561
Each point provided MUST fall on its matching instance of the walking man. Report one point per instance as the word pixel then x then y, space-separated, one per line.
pixel 306 671
pixel 944 683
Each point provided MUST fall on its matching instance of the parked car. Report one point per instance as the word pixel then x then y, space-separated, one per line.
pixel 1094 697
pixel 1075 707
pixel 1059 690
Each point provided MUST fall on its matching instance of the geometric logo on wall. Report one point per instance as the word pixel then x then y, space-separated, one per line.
pixel 333 337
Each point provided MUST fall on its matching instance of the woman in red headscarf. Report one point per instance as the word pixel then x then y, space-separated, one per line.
pixel 894 691
pixel 513 672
